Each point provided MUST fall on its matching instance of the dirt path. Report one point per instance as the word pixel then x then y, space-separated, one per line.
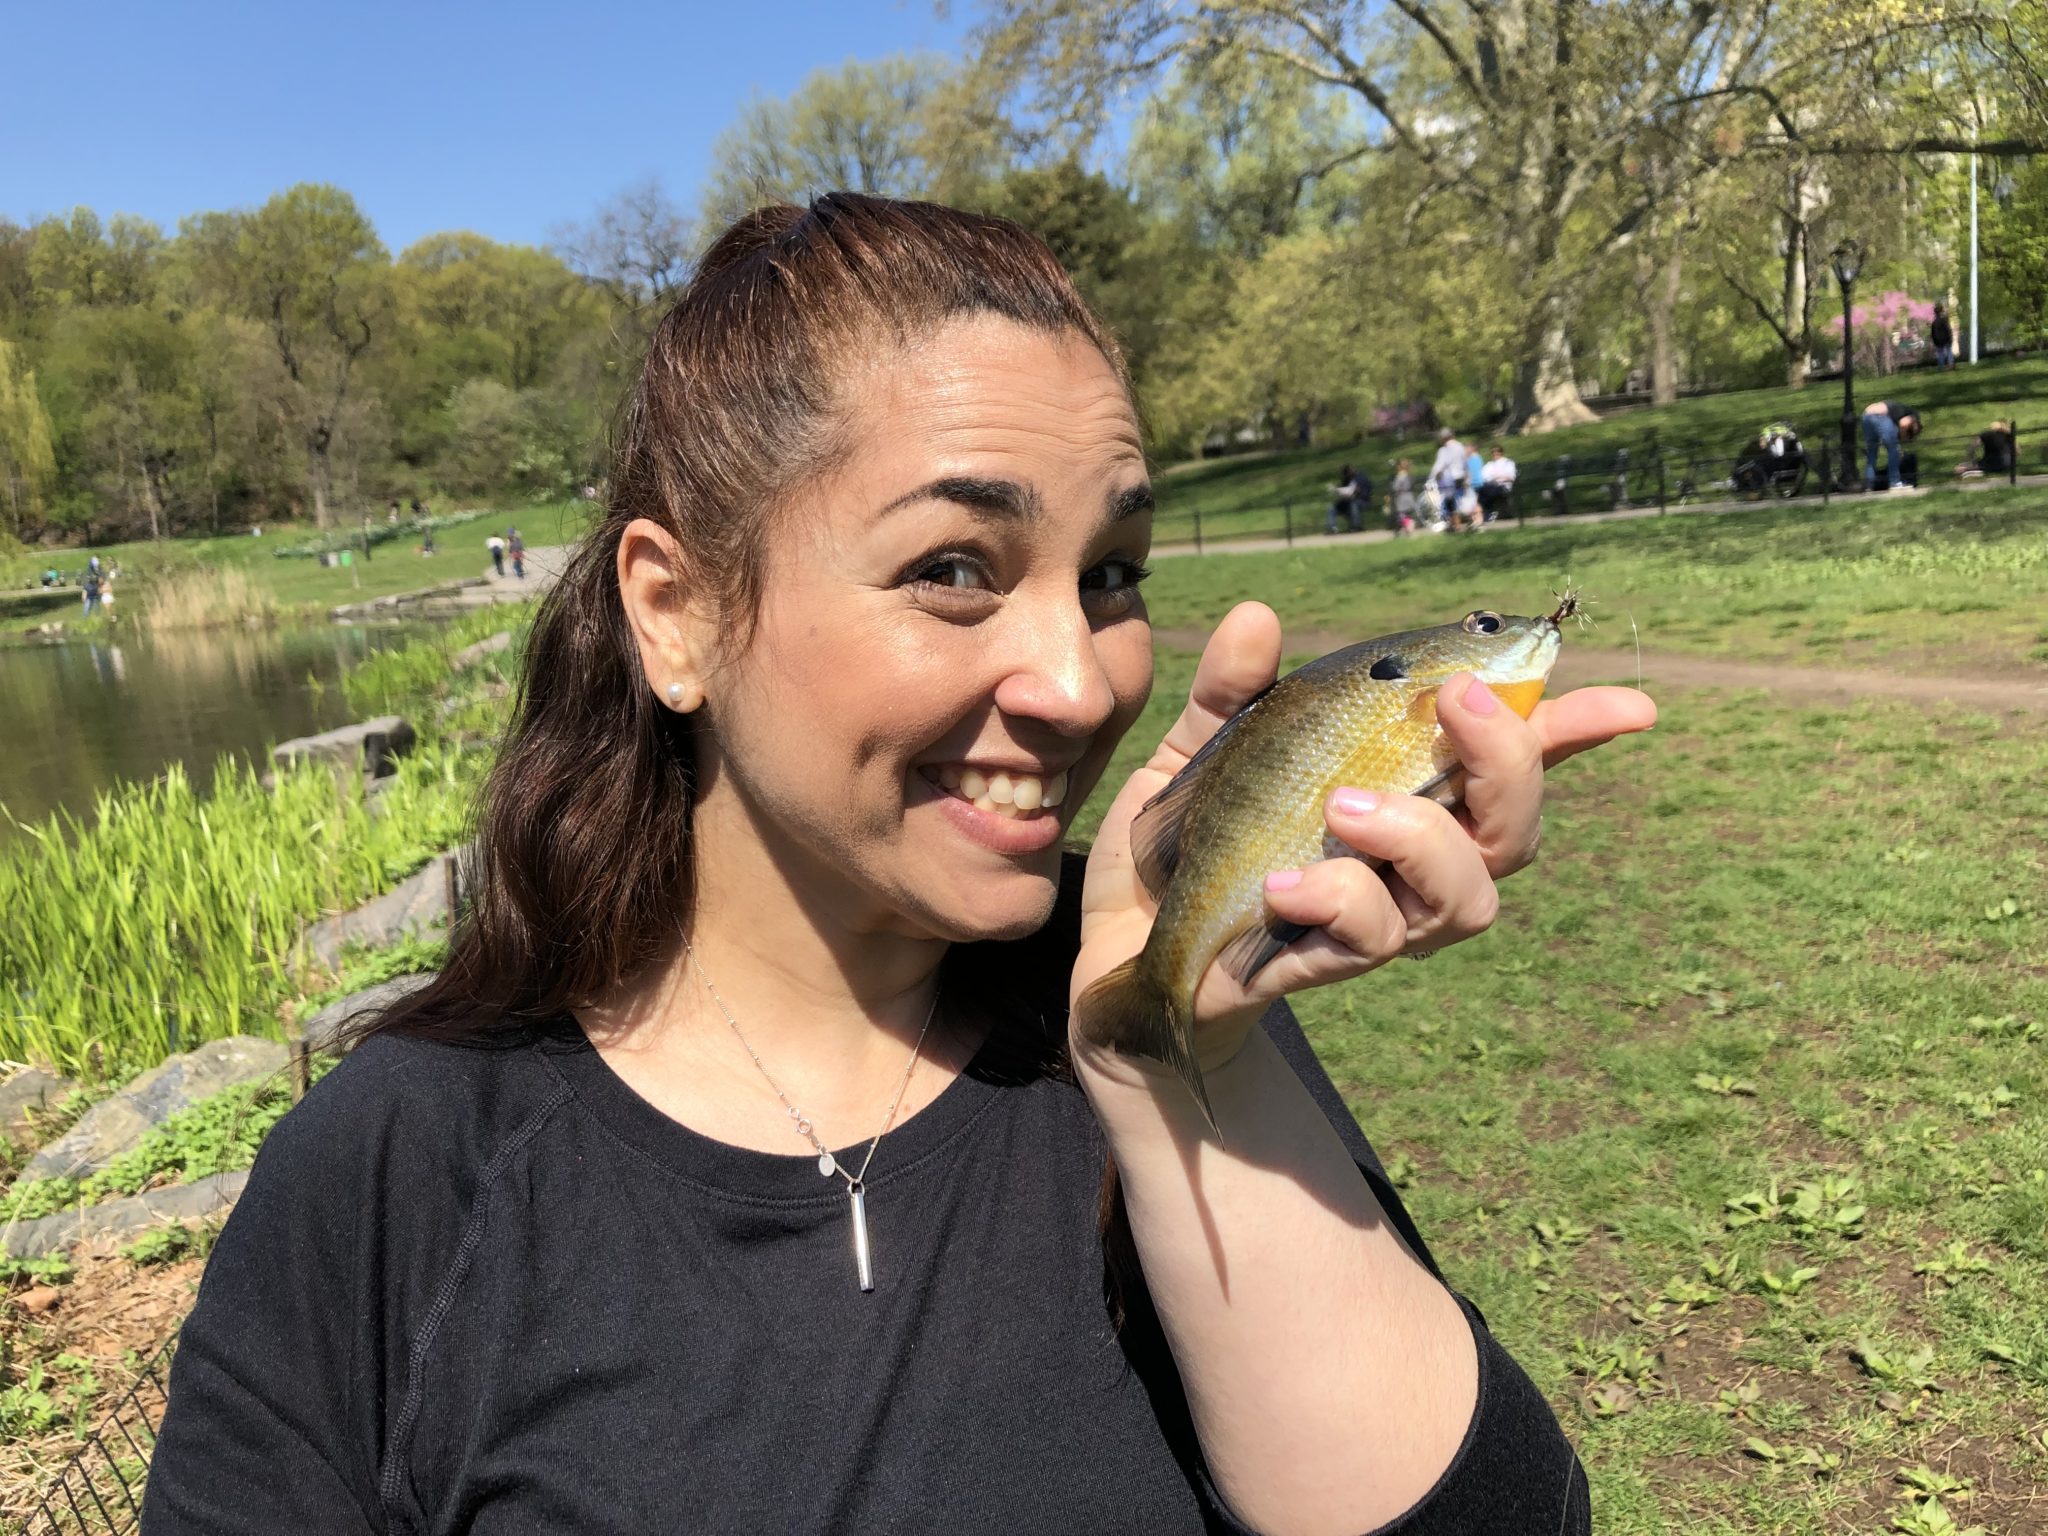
pixel 2009 694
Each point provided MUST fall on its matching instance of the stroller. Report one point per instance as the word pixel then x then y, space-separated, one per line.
pixel 1774 465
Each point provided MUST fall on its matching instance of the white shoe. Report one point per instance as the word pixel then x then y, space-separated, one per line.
pixel 1903 489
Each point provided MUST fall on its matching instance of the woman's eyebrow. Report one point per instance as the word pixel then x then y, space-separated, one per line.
pixel 987 496
pixel 1129 502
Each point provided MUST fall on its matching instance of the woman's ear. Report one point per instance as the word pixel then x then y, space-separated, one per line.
pixel 674 636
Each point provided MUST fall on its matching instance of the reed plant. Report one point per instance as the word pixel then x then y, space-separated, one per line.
pixel 207 597
pixel 166 917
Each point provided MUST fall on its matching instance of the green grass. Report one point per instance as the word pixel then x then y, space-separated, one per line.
pixel 1947 583
pixel 301 586
pixel 1751 1075
pixel 1245 495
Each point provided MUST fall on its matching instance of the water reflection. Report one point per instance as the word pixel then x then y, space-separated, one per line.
pixel 77 718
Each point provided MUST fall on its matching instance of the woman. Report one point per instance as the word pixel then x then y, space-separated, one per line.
pixel 776 1205
pixel 1402 508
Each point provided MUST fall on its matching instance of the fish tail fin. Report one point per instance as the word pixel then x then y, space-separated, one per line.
pixel 1134 1013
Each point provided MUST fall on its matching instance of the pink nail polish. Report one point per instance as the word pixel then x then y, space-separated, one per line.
pixel 1355 802
pixel 1283 880
pixel 1480 699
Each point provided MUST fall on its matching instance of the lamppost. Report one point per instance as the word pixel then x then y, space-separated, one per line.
pixel 1846 259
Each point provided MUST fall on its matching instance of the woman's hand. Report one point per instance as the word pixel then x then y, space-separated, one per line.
pixel 1438 883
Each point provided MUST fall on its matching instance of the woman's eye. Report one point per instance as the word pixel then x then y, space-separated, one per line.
pixel 955 571
pixel 1114 581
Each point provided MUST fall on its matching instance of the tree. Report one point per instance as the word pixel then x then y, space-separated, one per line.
pixel 28 463
pixel 900 127
pixel 308 266
pixel 1100 236
pixel 1525 116
pixel 638 250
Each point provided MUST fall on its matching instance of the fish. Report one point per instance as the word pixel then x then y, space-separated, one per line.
pixel 1251 801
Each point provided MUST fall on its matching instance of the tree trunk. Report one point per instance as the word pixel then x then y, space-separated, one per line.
pixel 1664 328
pixel 1546 393
pixel 1806 202
pixel 321 473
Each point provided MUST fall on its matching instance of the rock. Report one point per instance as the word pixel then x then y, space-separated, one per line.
pixel 373 745
pixel 114 1125
pixel 39 1298
pixel 61 1230
pixel 470 655
pixel 30 1089
pixel 322 1029
pixel 418 903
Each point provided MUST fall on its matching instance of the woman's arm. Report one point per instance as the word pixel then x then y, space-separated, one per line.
pixel 1331 1377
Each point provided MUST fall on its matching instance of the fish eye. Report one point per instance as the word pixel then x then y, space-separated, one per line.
pixel 1484 623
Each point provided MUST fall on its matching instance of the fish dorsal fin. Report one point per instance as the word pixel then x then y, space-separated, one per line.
pixel 1156 830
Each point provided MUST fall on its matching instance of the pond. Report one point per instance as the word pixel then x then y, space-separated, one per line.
pixel 82 716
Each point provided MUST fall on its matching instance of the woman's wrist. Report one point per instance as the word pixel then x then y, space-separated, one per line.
pixel 1103 1071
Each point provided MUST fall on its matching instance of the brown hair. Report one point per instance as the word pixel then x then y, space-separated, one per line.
pixel 581 871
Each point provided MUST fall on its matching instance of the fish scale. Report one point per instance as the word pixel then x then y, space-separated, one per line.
pixel 1251 802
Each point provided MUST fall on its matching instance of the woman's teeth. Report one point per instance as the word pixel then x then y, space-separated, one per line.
pixel 1006 794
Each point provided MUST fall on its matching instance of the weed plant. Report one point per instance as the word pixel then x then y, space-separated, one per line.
pixel 167 918
pixel 218 1134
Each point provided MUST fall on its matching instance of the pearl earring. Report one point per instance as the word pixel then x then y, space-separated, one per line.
pixel 675 693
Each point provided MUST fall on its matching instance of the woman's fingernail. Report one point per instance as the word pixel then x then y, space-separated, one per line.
pixel 1283 880
pixel 1480 699
pixel 1355 802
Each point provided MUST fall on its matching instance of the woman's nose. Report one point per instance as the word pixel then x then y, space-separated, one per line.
pixel 1055 673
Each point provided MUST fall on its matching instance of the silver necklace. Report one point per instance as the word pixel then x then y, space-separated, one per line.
pixel 856 1183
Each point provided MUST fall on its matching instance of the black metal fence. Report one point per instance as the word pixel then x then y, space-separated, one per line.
pixel 99 1491
pixel 1652 474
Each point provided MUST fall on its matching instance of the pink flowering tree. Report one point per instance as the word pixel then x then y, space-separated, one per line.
pixel 1882 326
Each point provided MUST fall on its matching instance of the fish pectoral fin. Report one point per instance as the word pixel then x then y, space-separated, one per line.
pixel 1254 949
pixel 1447 789
pixel 1156 830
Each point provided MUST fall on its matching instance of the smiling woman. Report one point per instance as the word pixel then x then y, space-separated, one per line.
pixel 740 1172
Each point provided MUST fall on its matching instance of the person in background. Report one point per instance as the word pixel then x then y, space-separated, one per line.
pixel 496 546
pixel 1447 470
pixel 1496 484
pixel 393 518
pixel 516 547
pixel 1343 501
pixel 1996 450
pixel 89 587
pixel 1401 508
pixel 1885 423
pixel 1943 335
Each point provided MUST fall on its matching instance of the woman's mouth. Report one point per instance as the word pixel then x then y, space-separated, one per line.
pixel 1002 792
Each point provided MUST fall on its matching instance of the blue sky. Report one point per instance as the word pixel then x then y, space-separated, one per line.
pixel 510 118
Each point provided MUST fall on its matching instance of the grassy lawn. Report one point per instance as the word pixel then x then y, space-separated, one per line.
pixel 298 583
pixel 1736 1125
pixel 1951 582
pixel 1241 495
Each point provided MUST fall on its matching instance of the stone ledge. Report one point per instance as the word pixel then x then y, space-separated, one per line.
pixel 123 1218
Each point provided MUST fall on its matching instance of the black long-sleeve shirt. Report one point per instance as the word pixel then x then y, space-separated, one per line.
pixel 494 1290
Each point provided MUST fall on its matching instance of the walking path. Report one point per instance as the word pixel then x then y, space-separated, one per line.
pixel 1228 546
pixel 2019 692
pixel 544 568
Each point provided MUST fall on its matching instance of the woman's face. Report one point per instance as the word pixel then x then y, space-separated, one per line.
pixel 951 639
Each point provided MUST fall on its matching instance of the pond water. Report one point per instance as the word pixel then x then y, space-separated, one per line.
pixel 79 717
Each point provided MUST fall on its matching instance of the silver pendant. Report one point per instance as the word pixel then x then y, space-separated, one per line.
pixel 826 1165
pixel 857 1195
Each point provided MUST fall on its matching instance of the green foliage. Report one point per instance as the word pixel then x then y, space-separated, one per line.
pixel 167 1245
pixel 168 918
pixel 50 1269
pixel 217 1135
